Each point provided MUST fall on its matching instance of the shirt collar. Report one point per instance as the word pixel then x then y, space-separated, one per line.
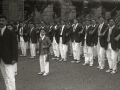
pixel 43 37
pixel 112 27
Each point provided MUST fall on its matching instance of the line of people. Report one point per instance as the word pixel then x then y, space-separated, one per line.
pixel 87 38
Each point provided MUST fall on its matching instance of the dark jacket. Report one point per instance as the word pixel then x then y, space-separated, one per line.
pixel 44 46
pixel 89 38
pixel 25 34
pixel 103 39
pixel 33 35
pixel 74 35
pixel 8 47
pixel 114 34
pixel 56 34
pixel 65 38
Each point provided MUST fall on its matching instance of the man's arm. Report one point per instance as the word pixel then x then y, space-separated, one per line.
pixel 14 46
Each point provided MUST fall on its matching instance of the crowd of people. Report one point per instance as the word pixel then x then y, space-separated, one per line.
pixel 86 38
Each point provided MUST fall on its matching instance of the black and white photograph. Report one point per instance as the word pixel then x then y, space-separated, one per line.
pixel 59 44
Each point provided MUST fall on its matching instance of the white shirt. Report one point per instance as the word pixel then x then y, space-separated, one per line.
pixel 62 29
pixel 21 30
pixel 43 37
pixel 100 27
pixel 110 31
pixel 86 29
pixel 32 29
pixel 2 30
pixel 75 26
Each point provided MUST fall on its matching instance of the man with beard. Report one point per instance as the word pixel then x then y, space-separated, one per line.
pixel 8 54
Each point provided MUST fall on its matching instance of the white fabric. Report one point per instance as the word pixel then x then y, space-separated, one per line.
pixel 70 47
pixel 112 57
pixel 87 27
pixel 55 48
pixel 2 30
pixel 95 51
pixel 76 50
pixel 23 47
pixel 62 29
pixel 118 55
pixel 8 73
pixel 110 31
pixel 88 53
pixel 15 67
pixel 32 49
pixel 44 66
pixel 101 57
pixel 99 28
pixel 61 48
pixel 74 27
pixel 81 49
pixel 51 50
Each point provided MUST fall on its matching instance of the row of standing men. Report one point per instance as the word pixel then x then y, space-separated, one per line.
pixel 87 38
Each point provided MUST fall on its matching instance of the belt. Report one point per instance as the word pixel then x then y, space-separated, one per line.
pixel 60 35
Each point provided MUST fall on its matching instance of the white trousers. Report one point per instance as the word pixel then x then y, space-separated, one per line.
pixel 55 48
pixel 118 56
pixel 51 50
pixel 88 53
pixel 44 66
pixel 63 49
pixel 112 57
pixel 15 67
pixel 70 47
pixel 101 57
pixel 76 50
pixel 8 72
pixel 81 49
pixel 95 51
pixel 33 49
pixel 23 47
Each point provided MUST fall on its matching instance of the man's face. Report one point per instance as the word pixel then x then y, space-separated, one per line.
pixel 75 21
pixel 87 23
pixel 10 27
pixel 3 22
pixel 37 25
pixel 93 22
pixel 42 33
pixel 111 22
pixel 101 20
pixel 21 24
pixel 42 23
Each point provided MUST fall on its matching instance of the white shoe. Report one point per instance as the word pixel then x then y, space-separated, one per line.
pixel 32 57
pixel 40 73
pixel 84 63
pixel 73 61
pixel 98 67
pixel 91 65
pixel 78 61
pixel 114 71
pixel 61 60
pixel 109 70
pixel 101 68
pixel 45 74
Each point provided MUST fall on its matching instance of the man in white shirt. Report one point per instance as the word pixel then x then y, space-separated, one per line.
pixel 8 54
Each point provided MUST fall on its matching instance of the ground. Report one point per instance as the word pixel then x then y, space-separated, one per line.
pixel 63 76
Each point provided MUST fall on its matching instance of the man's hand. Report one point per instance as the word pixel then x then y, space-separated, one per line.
pixel 66 34
pixel 92 44
pixel 43 46
pixel 13 62
pixel 101 35
pixel 116 38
